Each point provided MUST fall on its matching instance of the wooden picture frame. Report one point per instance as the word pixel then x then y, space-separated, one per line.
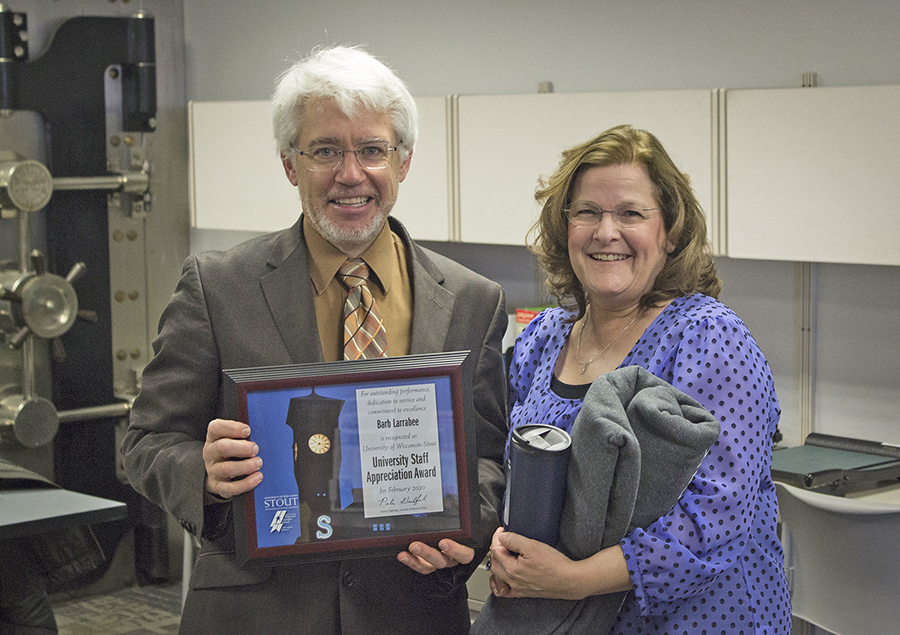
pixel 360 458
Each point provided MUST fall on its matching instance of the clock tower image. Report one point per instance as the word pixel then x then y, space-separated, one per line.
pixel 314 420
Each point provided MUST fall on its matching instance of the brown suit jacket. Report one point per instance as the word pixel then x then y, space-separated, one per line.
pixel 252 306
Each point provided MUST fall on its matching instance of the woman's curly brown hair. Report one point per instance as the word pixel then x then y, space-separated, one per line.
pixel 688 269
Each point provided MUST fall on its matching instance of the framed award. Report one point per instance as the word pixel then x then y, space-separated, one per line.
pixel 360 458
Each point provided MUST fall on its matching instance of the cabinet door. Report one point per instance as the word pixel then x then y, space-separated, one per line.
pixel 238 183
pixel 423 204
pixel 506 142
pixel 236 178
pixel 814 174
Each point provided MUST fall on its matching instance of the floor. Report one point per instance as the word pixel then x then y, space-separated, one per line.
pixel 137 611
pixel 149 610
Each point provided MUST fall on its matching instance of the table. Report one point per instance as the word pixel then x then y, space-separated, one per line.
pixel 26 512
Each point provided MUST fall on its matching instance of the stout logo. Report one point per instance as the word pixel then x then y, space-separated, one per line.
pixel 278 521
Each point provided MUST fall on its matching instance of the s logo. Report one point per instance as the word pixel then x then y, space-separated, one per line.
pixel 324 524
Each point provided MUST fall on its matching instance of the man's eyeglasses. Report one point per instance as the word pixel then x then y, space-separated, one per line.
pixel 586 214
pixel 371 156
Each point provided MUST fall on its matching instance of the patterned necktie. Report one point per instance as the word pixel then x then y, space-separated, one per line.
pixel 364 336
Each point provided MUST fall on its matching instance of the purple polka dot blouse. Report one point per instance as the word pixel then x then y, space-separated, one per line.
pixel 713 565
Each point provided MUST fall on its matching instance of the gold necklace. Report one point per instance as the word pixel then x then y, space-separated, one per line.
pixel 584 365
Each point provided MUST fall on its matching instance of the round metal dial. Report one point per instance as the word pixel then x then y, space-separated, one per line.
pixel 28 185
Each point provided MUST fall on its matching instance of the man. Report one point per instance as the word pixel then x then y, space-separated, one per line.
pixel 345 126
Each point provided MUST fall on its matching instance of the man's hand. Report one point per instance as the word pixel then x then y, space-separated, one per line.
pixel 232 464
pixel 425 559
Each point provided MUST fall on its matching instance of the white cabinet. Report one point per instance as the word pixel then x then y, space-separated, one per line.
pixel 238 183
pixel 506 142
pixel 423 204
pixel 236 178
pixel 807 174
pixel 814 174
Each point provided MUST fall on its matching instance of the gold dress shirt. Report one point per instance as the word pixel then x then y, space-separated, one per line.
pixel 392 289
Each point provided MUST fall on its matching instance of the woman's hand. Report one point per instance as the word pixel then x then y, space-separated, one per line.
pixel 525 568
pixel 521 567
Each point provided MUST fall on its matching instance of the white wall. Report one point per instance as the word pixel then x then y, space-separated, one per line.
pixel 234 52
pixel 478 46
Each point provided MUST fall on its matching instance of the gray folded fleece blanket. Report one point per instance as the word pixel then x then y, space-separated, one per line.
pixel 636 444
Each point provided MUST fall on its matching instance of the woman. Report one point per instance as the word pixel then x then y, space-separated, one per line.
pixel 623 240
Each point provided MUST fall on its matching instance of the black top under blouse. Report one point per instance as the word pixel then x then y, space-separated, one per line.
pixel 568 391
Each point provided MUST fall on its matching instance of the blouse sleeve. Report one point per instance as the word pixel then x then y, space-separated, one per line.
pixel 718 363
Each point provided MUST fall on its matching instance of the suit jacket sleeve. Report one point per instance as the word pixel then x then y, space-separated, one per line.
pixel 164 442
pixel 489 393
pixel 474 310
pixel 489 383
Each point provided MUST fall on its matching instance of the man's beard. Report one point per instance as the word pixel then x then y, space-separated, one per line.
pixel 338 235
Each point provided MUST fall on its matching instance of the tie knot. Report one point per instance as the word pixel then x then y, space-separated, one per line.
pixel 353 272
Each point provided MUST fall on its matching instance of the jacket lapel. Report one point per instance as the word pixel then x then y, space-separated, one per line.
pixel 289 293
pixel 432 302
